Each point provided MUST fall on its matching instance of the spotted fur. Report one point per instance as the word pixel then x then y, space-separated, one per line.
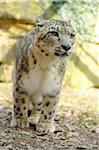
pixel 38 73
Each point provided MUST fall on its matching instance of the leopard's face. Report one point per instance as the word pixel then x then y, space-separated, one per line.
pixel 56 37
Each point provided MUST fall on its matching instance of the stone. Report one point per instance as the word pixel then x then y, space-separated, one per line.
pixel 5 73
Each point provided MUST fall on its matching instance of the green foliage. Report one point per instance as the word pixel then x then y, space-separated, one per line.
pixel 19 136
pixel 7 140
pixel 66 132
pixel 81 119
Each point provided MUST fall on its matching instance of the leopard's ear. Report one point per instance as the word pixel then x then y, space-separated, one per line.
pixel 68 22
pixel 40 21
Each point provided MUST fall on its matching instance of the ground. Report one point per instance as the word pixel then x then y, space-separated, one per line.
pixel 77 123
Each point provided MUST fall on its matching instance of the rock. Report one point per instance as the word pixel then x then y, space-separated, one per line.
pixel 20 10
pixel 14 23
pixel 83 66
pixel 5 73
pixel 7 49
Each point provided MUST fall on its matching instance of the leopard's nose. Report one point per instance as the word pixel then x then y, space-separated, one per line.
pixel 66 48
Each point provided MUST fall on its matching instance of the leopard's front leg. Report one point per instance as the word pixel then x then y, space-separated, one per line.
pixel 46 121
pixel 20 108
pixel 37 102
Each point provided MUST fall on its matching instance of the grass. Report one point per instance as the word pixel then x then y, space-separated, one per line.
pixel 66 132
pixel 19 136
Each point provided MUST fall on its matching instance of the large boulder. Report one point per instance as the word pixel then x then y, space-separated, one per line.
pixel 9 41
pixel 15 21
pixel 83 67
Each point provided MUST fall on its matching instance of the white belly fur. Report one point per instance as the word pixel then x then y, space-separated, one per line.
pixel 40 81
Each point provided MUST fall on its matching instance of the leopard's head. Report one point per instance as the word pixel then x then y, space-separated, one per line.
pixel 55 37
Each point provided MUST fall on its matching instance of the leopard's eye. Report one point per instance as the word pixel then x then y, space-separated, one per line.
pixel 72 35
pixel 54 33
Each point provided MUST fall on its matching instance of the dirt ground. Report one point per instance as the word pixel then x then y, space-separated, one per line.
pixel 77 123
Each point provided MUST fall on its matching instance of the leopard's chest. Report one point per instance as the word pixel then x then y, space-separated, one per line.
pixel 39 80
